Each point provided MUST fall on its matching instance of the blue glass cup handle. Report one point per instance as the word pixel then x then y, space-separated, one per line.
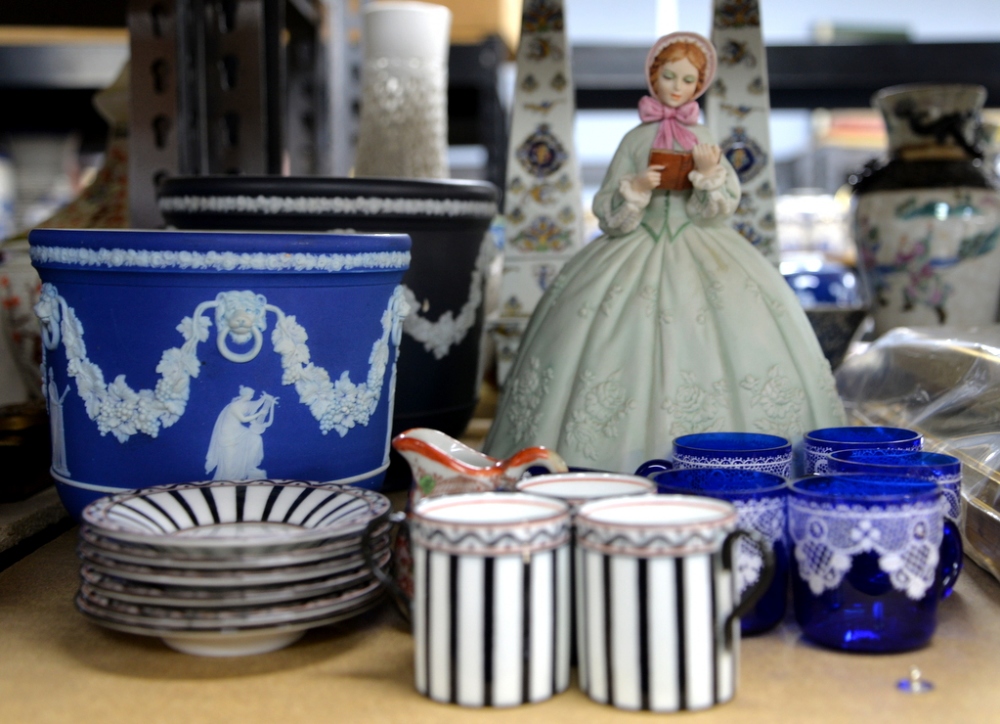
pixel 758 589
pixel 952 556
pixel 403 602
pixel 651 467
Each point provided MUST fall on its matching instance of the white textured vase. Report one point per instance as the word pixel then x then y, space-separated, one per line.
pixel 404 106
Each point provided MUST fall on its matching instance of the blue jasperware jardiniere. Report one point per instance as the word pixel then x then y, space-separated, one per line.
pixel 179 356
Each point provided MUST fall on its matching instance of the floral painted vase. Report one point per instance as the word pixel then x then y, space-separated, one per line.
pixel 21 344
pixel 103 204
pixel 927 222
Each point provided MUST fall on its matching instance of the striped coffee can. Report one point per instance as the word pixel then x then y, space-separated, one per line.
pixel 655 596
pixel 491 604
pixel 577 489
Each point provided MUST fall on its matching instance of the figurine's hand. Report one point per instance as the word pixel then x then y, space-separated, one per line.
pixel 648 180
pixel 706 157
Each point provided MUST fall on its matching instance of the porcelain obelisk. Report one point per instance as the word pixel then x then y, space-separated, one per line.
pixel 544 214
pixel 737 111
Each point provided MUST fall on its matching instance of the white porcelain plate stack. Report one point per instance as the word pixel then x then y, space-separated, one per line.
pixel 231 568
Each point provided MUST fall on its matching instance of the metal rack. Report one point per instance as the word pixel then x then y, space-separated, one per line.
pixel 803 76
pixel 475 113
pixel 222 87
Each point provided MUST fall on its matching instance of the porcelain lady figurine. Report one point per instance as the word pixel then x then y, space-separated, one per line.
pixel 670 323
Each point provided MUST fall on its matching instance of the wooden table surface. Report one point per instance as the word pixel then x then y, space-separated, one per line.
pixel 55 666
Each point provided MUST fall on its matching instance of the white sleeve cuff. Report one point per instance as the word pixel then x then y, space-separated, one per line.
pixel 716 194
pixel 711 181
pixel 628 215
pixel 638 199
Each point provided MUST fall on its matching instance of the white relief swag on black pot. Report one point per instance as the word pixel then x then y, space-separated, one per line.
pixel 491 602
pixel 657 610
pixel 448 221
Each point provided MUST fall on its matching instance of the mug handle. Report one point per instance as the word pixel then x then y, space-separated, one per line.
pixel 403 602
pixel 952 557
pixel 651 467
pixel 756 590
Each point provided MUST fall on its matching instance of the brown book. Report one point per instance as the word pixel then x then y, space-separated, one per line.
pixel 676 167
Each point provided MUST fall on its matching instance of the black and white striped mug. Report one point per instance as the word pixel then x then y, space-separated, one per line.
pixel 491 602
pixel 658 628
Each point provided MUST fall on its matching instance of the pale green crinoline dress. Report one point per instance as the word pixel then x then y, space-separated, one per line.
pixel 668 324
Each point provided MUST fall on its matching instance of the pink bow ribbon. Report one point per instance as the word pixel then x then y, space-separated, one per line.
pixel 672 122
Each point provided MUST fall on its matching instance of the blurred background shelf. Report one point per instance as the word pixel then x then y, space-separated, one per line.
pixel 48 76
pixel 803 76
pixel 43 66
pixel 606 76
pixel 61 57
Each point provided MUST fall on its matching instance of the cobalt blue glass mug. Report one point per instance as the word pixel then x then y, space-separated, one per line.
pixel 759 499
pixel 945 470
pixel 737 450
pixel 818 444
pixel 871 557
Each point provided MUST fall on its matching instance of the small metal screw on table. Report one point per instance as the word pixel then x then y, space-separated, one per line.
pixel 915 683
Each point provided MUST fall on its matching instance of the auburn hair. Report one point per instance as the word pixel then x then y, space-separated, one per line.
pixel 677 51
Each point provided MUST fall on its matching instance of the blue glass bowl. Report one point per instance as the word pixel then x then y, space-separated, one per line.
pixel 864 436
pixel 731 443
pixel 920 464
pixel 864 489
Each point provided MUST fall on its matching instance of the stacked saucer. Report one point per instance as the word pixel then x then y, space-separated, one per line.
pixel 231 568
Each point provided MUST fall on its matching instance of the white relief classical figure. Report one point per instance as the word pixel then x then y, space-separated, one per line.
pixel 237 446
pixel 56 426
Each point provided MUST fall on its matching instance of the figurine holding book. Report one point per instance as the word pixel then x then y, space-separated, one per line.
pixel 671 322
